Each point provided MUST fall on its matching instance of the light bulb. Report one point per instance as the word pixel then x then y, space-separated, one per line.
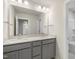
pixel 47 9
pixel 26 2
pixel 20 1
pixel 39 7
pixel 44 8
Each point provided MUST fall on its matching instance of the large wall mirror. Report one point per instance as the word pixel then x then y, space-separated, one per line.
pixel 26 22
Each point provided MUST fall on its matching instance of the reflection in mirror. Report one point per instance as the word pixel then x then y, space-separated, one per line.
pixel 22 25
pixel 27 22
pixel 26 27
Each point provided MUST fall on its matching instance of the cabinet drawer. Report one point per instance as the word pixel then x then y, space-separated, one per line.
pixel 37 57
pixel 16 47
pixel 53 40
pixel 36 51
pixel 24 45
pixel 36 43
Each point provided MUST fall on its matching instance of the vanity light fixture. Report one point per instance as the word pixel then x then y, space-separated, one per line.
pixel 39 7
pixel 43 8
pixel 26 2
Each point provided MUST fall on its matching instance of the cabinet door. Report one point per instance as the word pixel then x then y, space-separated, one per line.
pixel 37 57
pixel 25 54
pixel 48 51
pixel 52 51
pixel 45 52
pixel 37 50
pixel 11 55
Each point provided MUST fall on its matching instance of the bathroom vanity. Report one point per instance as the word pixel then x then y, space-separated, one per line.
pixel 31 48
pixel 27 34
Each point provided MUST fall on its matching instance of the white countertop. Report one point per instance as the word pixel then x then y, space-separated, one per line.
pixel 26 39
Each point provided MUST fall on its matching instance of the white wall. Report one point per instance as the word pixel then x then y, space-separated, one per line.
pixel 7 23
pixel 58 12
pixel 11 21
pixel 57 16
pixel 5 19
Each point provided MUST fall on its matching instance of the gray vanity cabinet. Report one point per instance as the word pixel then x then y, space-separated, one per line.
pixel 17 51
pixel 41 49
pixel 36 50
pixel 37 57
pixel 48 49
pixel 25 54
pixel 11 55
pixel 45 52
pixel 52 50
